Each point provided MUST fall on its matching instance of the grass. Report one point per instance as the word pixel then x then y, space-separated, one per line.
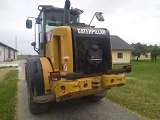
pixel 142 90
pixel 3 73
pixel 8 88
pixel 4 67
pixel 22 57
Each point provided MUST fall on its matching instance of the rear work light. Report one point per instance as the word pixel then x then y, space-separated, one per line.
pixel 127 68
pixel 55 76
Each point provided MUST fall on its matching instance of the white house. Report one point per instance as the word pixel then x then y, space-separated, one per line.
pixel 7 53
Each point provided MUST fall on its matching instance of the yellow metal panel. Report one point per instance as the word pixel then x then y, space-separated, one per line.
pixel 63 36
pixel 112 80
pixel 49 49
pixel 52 52
pixel 85 84
pixel 46 67
pixel 62 88
pixel 55 60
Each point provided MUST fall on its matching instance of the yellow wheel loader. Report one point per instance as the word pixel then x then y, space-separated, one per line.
pixel 75 59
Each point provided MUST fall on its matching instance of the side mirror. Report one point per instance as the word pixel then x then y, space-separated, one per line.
pixel 29 24
pixel 33 44
pixel 99 16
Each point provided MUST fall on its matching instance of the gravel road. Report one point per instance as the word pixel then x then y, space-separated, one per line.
pixel 76 109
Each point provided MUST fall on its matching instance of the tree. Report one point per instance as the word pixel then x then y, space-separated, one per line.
pixel 139 49
pixel 155 51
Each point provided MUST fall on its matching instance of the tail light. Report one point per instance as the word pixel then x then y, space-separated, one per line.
pixel 55 76
pixel 127 68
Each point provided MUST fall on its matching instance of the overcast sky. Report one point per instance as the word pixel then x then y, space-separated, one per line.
pixel 132 20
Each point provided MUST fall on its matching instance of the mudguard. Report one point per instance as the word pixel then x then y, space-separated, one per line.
pixel 47 68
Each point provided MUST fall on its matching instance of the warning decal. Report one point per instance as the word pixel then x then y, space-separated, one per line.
pixel 65 67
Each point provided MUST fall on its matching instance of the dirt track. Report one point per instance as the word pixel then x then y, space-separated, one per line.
pixel 76 109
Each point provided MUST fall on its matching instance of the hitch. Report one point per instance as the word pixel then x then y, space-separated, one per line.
pixel 126 68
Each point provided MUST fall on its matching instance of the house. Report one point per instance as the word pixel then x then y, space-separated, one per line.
pixel 121 50
pixel 7 53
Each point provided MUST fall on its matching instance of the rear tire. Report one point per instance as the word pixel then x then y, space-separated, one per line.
pixel 95 97
pixel 35 85
pixel 36 108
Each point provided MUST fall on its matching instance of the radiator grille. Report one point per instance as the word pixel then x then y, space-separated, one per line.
pixel 84 42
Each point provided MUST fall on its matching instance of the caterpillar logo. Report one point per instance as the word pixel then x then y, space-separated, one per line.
pixel 91 31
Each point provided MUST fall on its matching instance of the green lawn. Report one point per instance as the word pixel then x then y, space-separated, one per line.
pixel 22 57
pixel 8 89
pixel 142 90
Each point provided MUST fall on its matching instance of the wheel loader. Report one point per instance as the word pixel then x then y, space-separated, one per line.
pixel 74 59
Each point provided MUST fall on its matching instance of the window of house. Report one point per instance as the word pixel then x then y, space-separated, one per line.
pixel 119 55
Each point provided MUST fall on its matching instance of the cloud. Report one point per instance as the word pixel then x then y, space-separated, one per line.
pixel 132 20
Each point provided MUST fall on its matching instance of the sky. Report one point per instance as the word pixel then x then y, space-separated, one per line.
pixel 132 20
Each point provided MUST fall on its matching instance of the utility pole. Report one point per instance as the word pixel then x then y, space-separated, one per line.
pixel 15 55
pixel 16 42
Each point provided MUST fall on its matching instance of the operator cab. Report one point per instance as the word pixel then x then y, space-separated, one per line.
pixel 49 18
pixel 53 16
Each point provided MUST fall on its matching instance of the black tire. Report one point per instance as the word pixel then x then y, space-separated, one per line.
pixel 36 108
pixel 94 98
pixel 35 85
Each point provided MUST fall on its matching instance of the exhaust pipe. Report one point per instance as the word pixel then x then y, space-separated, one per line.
pixel 67 12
